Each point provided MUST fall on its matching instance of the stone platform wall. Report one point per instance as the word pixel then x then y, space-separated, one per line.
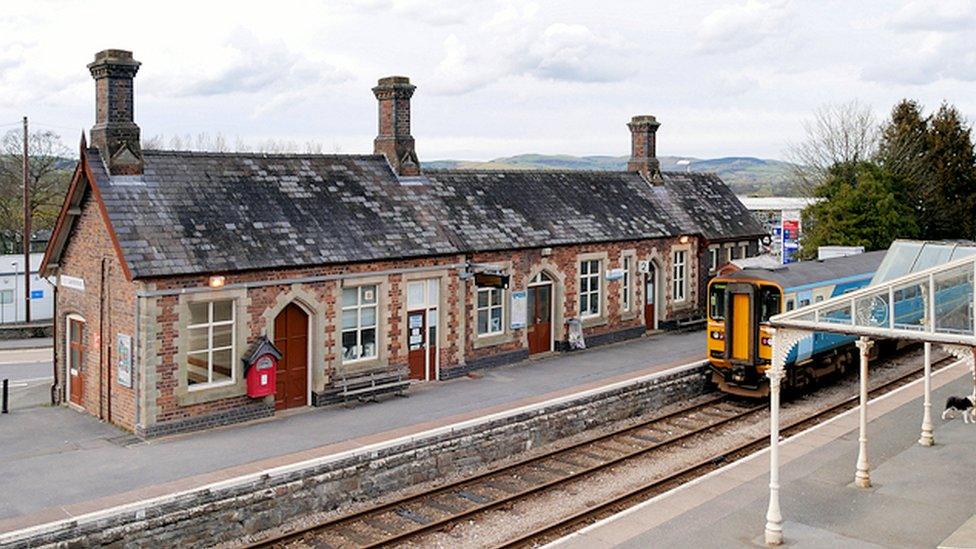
pixel 236 508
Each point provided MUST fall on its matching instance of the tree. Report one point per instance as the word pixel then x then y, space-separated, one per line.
pixel 904 153
pixel 952 173
pixel 864 206
pixel 50 175
pixel 838 134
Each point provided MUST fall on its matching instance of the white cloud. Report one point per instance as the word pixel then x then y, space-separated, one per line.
pixel 514 43
pixel 935 15
pixel 732 28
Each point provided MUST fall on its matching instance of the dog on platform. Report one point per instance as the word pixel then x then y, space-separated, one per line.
pixel 964 405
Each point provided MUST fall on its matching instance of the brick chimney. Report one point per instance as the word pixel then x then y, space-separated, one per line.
pixel 394 139
pixel 115 133
pixel 643 147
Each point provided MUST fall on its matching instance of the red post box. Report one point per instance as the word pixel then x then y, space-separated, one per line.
pixel 261 368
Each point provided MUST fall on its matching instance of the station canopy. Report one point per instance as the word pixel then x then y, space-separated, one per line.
pixel 921 291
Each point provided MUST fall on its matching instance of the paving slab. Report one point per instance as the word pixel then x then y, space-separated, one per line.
pixel 58 458
pixel 920 495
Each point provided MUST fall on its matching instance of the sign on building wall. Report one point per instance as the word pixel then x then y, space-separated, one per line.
pixel 519 311
pixel 73 282
pixel 615 274
pixel 123 353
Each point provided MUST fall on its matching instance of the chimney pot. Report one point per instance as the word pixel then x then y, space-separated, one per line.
pixel 643 147
pixel 394 139
pixel 115 133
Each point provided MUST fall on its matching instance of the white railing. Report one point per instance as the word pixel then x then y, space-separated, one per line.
pixel 937 305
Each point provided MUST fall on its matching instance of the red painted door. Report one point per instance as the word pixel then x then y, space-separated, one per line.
pixel 539 313
pixel 417 353
pixel 76 355
pixel 650 292
pixel 291 338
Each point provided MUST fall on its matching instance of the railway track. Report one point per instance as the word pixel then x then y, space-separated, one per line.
pixel 414 516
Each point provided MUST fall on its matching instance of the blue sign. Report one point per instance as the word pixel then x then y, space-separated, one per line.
pixel 37 294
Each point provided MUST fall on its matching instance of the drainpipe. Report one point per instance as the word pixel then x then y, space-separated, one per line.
pixel 54 343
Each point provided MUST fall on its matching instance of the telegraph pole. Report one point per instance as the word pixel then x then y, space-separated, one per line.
pixel 27 229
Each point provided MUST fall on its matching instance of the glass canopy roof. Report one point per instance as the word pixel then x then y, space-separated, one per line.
pixel 921 291
pixel 910 256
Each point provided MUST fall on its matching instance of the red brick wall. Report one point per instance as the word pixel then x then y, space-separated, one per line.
pixel 107 305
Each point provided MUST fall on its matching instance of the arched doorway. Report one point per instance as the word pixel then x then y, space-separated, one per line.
pixel 650 296
pixel 291 338
pixel 539 314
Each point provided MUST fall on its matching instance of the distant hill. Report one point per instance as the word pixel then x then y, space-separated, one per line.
pixel 746 175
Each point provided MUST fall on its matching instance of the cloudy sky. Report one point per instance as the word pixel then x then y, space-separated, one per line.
pixel 494 77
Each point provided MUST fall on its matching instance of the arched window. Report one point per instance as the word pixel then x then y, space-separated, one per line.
pixel 541 278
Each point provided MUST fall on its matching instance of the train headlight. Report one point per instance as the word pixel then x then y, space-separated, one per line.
pixel 765 341
pixel 717 335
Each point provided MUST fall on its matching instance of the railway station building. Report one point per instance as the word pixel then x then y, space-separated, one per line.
pixel 360 272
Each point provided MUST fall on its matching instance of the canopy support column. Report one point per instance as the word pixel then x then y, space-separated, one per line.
pixel 783 342
pixel 927 438
pixel 862 478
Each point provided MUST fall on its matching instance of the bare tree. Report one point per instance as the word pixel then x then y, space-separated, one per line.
pixel 837 133
pixel 50 174
pixel 218 143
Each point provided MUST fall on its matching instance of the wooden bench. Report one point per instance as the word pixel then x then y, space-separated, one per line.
pixel 369 385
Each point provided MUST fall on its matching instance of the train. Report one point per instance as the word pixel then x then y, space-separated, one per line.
pixel 741 302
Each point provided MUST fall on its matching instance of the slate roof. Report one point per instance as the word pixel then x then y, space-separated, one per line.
pixel 216 212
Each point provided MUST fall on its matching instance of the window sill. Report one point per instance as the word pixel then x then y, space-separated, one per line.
pixel 207 386
pixel 482 341
pixel 592 321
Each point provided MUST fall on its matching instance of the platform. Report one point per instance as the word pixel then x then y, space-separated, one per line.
pixel 921 496
pixel 60 464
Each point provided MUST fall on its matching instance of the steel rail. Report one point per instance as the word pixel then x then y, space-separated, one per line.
pixel 284 537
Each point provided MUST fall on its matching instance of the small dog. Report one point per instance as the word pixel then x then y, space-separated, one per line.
pixel 964 405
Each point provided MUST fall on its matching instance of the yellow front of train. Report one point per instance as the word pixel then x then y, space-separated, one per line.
pixel 739 337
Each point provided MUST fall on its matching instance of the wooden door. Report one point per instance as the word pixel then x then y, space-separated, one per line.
pixel 539 313
pixel 291 338
pixel 76 355
pixel 417 354
pixel 650 292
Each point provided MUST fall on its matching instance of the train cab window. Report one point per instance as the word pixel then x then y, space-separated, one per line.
pixel 769 303
pixel 716 302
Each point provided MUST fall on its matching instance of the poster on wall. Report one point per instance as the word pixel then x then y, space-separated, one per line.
pixel 519 300
pixel 123 352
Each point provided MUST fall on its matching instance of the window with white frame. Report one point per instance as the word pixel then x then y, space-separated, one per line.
pixel 713 258
pixel 679 274
pixel 625 283
pixel 743 250
pixel 491 307
pixel 210 355
pixel 359 305
pixel 589 288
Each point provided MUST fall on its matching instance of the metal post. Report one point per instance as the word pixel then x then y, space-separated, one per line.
pixel 4 398
pixel 927 439
pixel 862 478
pixel 27 230
pixel 774 518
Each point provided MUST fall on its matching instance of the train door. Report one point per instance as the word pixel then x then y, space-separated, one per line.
pixel 741 326
pixel 804 349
